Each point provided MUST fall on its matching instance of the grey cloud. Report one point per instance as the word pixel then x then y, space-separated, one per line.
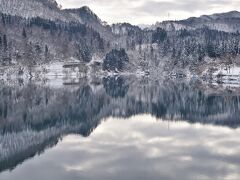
pixel 149 11
pixel 160 8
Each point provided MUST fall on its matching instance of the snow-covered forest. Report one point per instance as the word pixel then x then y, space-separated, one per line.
pixel 36 32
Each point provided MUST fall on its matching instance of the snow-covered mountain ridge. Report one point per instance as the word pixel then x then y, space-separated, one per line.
pixel 37 30
pixel 49 10
pixel 46 9
pixel 227 22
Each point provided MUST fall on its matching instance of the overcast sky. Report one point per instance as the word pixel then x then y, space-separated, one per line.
pixel 150 11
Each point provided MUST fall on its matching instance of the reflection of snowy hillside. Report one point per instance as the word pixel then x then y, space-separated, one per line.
pixel 33 117
pixel 20 145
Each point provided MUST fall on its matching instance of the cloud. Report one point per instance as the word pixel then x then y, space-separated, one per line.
pixel 140 148
pixel 150 11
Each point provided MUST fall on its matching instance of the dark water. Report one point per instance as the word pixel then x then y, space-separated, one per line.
pixel 119 128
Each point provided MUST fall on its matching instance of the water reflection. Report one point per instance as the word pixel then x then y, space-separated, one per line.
pixel 140 147
pixel 115 86
pixel 35 117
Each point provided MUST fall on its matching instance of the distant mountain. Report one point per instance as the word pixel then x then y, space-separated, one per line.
pixel 144 26
pixel 227 22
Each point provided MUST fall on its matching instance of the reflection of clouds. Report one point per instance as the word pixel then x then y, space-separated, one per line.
pixel 142 148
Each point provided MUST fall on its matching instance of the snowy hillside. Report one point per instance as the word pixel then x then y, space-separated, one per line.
pixel 36 32
pixel 46 9
pixel 89 18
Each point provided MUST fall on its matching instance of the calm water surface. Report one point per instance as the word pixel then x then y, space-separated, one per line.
pixel 119 129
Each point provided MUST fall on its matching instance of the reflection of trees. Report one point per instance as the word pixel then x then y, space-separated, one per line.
pixel 33 117
pixel 115 86
pixel 40 107
pixel 19 157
